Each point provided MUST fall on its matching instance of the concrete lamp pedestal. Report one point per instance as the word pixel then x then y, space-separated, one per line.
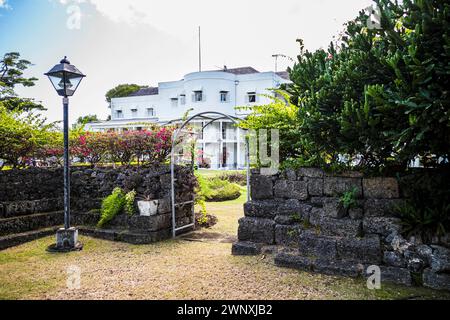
pixel 66 240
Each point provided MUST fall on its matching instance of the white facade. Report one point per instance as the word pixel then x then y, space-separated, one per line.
pixel 221 91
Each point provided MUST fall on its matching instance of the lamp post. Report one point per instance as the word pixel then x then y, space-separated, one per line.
pixel 66 78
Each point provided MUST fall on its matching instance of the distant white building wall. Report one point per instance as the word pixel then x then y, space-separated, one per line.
pixel 222 91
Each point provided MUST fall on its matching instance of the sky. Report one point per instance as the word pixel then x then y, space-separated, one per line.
pixel 149 41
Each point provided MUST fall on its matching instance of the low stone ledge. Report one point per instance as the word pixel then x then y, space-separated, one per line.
pixel 293 261
pixel 396 275
pixel 363 250
pixel 256 230
pixel 435 280
pixel 246 248
pixel 312 245
pixel 338 267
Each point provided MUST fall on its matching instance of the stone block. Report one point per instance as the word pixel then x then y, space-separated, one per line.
pixel 440 259
pixel 356 213
pixel 261 208
pixel 261 187
pixel 345 227
pixel 290 174
pixel 164 205
pixel 337 186
pixel 394 259
pixel 256 230
pixel 316 215
pixel 335 267
pixel 333 208
pixel 381 207
pixel 148 208
pixel 152 223
pixel 287 235
pixel 384 188
pixel 396 275
pixel 435 280
pixel 294 261
pixel 245 248
pixel 315 186
pixel 313 245
pixel 66 238
pixel 383 226
pixel 294 207
pixel 310 173
pixel 363 250
pixel 291 190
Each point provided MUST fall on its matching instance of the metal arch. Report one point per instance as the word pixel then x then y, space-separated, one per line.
pixel 175 135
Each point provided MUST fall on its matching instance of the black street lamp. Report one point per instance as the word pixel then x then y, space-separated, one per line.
pixel 65 78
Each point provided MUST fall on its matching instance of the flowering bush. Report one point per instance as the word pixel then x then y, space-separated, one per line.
pixel 90 147
pixel 147 147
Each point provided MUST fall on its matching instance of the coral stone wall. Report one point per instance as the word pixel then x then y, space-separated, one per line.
pixel 33 198
pixel 298 215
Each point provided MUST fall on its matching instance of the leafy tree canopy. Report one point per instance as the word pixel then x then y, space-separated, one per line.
pixel 12 70
pixel 122 90
pixel 378 98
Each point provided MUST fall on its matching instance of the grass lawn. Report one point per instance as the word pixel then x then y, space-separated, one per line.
pixel 197 267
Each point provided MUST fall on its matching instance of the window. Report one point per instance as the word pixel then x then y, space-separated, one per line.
pixel 174 102
pixel 119 114
pixel 134 113
pixel 251 96
pixel 198 96
pixel 223 96
pixel 182 99
pixel 150 112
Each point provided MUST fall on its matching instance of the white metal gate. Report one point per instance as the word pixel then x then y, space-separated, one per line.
pixel 211 117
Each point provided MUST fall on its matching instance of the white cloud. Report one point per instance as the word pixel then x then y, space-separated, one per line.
pixel 4 4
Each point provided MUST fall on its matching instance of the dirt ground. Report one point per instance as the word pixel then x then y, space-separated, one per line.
pixel 199 266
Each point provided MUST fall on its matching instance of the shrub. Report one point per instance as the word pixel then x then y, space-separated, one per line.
pixel 129 203
pixel 120 147
pixel 116 203
pixel 222 190
pixel 91 147
pixel 348 199
pixel 239 178
pixel 21 136
pixel 112 205
pixel 377 98
pixel 426 212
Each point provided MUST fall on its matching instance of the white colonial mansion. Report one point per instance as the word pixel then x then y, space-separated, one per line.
pixel 222 144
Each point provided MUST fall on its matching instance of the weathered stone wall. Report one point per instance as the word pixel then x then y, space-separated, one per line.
pixel 33 198
pixel 297 214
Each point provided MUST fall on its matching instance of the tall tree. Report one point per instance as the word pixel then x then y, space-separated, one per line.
pixel 122 90
pixel 12 70
pixel 88 118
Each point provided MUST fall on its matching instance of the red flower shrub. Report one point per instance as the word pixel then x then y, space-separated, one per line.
pixel 90 147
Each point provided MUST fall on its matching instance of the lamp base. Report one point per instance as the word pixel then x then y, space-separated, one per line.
pixel 66 241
